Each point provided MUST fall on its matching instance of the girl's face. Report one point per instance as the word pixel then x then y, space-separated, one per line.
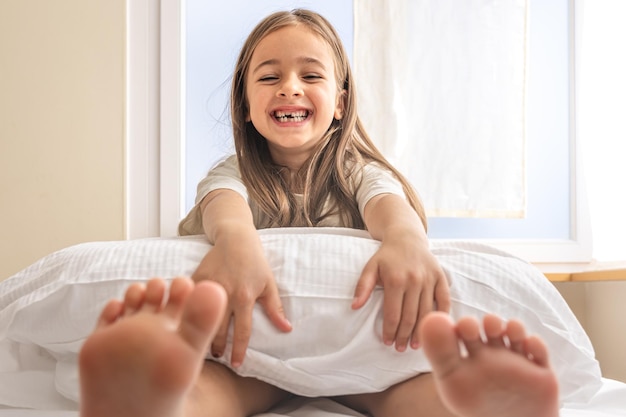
pixel 292 93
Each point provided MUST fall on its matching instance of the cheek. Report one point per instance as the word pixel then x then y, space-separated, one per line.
pixel 252 110
pixel 257 104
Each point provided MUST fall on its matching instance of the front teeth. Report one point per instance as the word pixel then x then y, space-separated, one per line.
pixel 296 116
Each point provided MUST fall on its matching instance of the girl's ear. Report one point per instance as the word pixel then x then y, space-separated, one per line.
pixel 339 109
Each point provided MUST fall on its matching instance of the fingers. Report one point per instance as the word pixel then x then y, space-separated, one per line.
pixel 426 306
pixel 273 307
pixel 365 285
pixel 406 303
pixel 411 292
pixel 242 329
pixel 393 299
pixel 219 341
pixel 240 313
pixel 442 293
pixel 432 298
pixel 407 327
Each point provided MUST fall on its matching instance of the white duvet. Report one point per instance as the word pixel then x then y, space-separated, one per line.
pixel 47 310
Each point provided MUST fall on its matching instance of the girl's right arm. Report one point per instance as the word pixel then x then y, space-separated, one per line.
pixel 238 263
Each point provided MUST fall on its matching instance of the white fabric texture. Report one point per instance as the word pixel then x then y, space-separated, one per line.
pixel 442 93
pixel 372 180
pixel 47 310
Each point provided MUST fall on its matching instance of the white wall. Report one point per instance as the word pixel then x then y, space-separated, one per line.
pixel 61 126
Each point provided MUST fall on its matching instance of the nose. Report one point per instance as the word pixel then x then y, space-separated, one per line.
pixel 290 87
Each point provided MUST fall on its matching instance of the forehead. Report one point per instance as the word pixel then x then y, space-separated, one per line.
pixel 293 42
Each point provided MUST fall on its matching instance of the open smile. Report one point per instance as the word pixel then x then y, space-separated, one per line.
pixel 294 116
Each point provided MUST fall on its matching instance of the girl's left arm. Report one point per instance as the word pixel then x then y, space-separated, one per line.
pixel 413 281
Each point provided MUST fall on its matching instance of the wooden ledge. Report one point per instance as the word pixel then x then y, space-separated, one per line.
pixel 586 276
pixel 595 271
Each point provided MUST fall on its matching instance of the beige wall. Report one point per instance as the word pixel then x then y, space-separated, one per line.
pixel 599 307
pixel 61 126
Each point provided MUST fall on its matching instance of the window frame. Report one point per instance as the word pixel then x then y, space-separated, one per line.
pixel 155 138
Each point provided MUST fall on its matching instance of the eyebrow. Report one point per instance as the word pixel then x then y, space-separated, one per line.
pixel 300 60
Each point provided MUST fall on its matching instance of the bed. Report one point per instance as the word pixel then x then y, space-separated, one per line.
pixel 48 309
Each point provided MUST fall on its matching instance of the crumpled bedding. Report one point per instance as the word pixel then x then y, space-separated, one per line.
pixel 48 309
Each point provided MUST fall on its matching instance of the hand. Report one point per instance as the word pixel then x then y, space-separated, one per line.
pixel 412 280
pixel 247 278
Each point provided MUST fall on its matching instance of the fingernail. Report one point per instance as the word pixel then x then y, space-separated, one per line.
pixel 388 342
pixel 236 364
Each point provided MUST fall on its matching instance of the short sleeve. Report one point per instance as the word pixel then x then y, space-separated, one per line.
pixel 223 175
pixel 376 180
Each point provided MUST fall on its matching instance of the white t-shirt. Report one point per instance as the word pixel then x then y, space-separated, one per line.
pixel 375 180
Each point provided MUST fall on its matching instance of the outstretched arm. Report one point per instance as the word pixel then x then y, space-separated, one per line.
pixel 411 276
pixel 238 263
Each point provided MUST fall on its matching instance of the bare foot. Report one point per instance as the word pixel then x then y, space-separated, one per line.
pixel 508 374
pixel 145 354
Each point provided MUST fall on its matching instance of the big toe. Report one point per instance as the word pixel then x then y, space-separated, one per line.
pixel 203 313
pixel 441 345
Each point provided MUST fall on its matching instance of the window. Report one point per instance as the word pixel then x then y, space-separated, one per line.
pixel 553 160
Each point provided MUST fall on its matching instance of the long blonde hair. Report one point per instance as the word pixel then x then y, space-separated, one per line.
pixel 325 179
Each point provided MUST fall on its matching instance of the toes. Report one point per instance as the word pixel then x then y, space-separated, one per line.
pixel 134 298
pixel 537 351
pixel 146 297
pixel 468 330
pixel 155 293
pixel 202 315
pixel 179 291
pixel 516 334
pixel 494 330
pixel 110 313
pixel 440 342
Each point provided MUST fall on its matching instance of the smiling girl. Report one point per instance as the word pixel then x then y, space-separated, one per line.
pixel 304 159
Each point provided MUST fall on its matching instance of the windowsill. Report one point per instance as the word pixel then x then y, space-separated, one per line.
pixel 585 272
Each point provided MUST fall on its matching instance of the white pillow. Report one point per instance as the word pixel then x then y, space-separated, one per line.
pixel 332 349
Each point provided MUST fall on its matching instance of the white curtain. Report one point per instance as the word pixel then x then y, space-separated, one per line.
pixel 442 90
